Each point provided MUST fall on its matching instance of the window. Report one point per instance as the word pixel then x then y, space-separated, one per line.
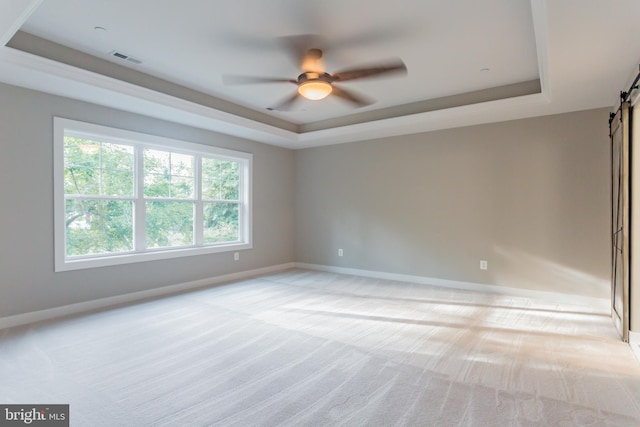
pixel 122 197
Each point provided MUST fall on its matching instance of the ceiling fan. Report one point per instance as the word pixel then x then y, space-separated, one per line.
pixel 315 83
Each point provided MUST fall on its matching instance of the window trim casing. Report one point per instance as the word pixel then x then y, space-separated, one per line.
pixel 110 134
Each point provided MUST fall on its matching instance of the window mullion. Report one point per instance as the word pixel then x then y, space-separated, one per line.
pixel 139 223
pixel 198 224
pixel 100 172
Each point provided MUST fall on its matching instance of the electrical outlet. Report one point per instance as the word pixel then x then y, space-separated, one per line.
pixel 484 265
pixel 236 256
pixel 340 252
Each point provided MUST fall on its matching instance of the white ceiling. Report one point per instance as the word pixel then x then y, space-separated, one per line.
pixel 583 52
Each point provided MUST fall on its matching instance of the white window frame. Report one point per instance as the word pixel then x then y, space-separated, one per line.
pixel 141 141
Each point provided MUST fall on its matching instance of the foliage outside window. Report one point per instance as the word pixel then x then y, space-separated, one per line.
pixel 123 197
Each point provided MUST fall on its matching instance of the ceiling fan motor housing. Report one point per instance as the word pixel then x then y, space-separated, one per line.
pixel 310 76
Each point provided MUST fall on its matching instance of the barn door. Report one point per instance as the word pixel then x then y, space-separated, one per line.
pixel 620 220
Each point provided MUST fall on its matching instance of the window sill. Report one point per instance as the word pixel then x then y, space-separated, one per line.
pixel 128 258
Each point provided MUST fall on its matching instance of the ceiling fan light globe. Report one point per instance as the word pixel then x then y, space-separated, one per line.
pixel 315 90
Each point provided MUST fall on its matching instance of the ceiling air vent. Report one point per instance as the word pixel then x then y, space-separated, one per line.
pixel 125 57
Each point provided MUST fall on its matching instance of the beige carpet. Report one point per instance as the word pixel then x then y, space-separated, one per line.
pixel 306 348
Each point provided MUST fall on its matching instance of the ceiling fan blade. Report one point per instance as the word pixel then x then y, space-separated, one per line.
pixel 285 104
pixel 393 67
pixel 247 80
pixel 304 49
pixel 359 100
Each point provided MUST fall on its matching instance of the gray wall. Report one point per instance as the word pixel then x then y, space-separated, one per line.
pixel 530 196
pixel 27 279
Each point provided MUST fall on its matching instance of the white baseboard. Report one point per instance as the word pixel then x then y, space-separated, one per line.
pixel 634 343
pixel 600 303
pixel 71 309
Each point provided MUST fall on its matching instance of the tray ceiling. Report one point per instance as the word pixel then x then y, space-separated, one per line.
pixel 468 61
